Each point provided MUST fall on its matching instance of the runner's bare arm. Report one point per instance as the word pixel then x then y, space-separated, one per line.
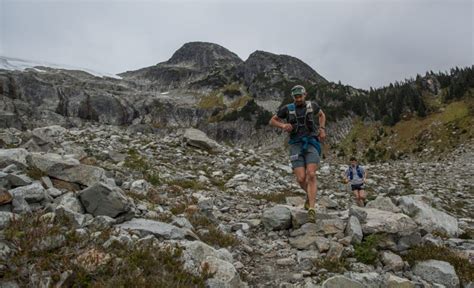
pixel 322 125
pixel 277 122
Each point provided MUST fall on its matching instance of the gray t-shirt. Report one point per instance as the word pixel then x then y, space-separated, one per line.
pixel 356 180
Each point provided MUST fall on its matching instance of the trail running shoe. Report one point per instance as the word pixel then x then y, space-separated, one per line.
pixel 306 203
pixel 311 215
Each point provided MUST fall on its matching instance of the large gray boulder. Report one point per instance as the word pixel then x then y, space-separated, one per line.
pixel 398 282
pixel 299 217
pixel 383 203
pixel 32 193
pixel 49 134
pixel 199 139
pixel 66 169
pixel 51 162
pixel 196 254
pixel 277 218
pixel 75 218
pixel 429 218
pixel 304 241
pixel 379 221
pixel 71 202
pixel 392 261
pixel 340 281
pixel 13 156
pixel 102 199
pixel 368 279
pixel 225 274
pixel 439 272
pixel 5 218
pixel 354 230
pixel 159 229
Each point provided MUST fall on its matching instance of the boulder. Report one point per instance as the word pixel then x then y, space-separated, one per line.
pixel 383 203
pixel 199 139
pixel 5 218
pixel 277 218
pixel 379 221
pixel 392 261
pixel 340 281
pixel 13 156
pixel 102 199
pixel 398 282
pixel 159 229
pixel 354 230
pixel 439 272
pixel 32 193
pixel 429 218
pixel 225 274
pixel 66 169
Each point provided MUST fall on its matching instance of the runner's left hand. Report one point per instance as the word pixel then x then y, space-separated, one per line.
pixel 322 134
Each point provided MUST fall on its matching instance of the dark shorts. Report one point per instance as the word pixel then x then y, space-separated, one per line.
pixel 357 187
pixel 297 160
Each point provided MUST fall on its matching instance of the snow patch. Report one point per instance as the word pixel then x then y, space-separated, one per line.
pixel 8 63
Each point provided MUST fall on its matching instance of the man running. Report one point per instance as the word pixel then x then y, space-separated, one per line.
pixel 298 119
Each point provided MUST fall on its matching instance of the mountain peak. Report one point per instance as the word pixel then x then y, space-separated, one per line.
pixel 203 55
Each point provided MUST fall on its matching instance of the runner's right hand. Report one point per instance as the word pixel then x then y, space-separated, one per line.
pixel 287 127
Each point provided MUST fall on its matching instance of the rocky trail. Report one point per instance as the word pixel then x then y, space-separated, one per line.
pixel 235 212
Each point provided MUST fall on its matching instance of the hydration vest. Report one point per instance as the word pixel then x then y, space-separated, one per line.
pixel 302 121
pixel 359 172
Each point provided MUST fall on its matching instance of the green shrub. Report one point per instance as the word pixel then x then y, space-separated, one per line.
pixel 212 236
pixel 136 162
pixel 35 173
pixel 366 251
pixel 332 265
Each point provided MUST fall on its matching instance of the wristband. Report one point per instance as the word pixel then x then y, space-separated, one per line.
pixel 322 128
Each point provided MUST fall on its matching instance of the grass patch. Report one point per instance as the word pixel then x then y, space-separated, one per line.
pixel 211 101
pixel 147 266
pixel 440 131
pixel 468 234
pixel 35 173
pixel 464 269
pixel 136 162
pixel 152 196
pixel 183 203
pixel 213 235
pixel 219 183
pixel 332 265
pixel 153 178
pixel 144 265
pixel 366 251
pixel 240 102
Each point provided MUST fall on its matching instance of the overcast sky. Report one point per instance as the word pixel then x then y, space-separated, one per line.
pixel 361 43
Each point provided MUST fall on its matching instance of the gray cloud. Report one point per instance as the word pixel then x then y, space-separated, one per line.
pixel 361 43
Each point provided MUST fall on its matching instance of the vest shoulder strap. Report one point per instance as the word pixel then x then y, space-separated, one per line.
pixel 291 108
pixel 309 107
